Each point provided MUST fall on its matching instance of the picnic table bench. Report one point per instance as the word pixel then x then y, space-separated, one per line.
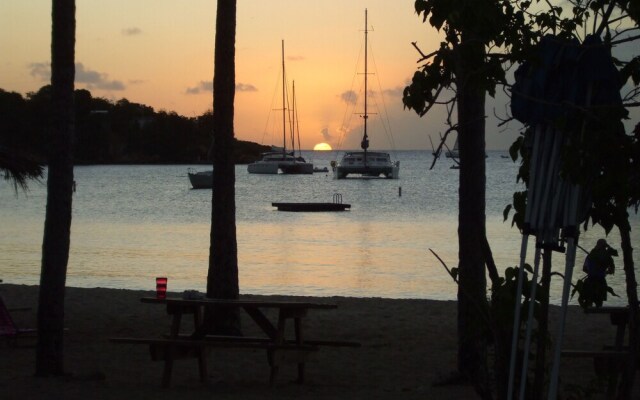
pixel 280 350
pixel 610 359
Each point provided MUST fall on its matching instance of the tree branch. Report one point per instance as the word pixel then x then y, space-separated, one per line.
pixel 435 97
pixel 605 18
pixel 422 55
pixel 629 39
pixel 481 311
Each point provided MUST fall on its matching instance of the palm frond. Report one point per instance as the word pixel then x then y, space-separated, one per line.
pixel 19 168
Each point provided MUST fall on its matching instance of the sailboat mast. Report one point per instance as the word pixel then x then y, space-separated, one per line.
pixel 365 138
pixel 295 126
pixel 284 109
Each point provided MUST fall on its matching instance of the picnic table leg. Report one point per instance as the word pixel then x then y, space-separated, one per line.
pixel 299 339
pixel 202 355
pixel 202 363
pixel 168 366
pixel 620 321
pixel 278 339
pixel 175 325
pixel 274 368
pixel 169 349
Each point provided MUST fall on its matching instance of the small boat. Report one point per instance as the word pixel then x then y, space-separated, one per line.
pixel 200 179
pixel 366 164
pixel 318 169
pixel 453 153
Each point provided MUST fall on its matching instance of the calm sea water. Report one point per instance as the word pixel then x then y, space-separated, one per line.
pixel 133 223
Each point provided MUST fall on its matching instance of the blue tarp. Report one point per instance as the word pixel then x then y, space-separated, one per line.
pixel 564 76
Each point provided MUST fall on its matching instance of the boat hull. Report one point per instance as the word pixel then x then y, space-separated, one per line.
pixel 273 162
pixel 300 168
pixel 392 172
pixel 201 180
pixel 259 167
pixel 369 165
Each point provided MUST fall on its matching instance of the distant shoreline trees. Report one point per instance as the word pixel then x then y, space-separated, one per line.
pixel 119 132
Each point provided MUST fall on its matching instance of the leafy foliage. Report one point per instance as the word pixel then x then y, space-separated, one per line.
pixel 599 154
pixel 592 292
pixel 503 296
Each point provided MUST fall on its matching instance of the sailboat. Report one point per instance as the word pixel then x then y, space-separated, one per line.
pixel 453 153
pixel 366 164
pixel 280 160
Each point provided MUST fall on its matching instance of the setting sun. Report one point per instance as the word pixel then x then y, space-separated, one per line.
pixel 322 147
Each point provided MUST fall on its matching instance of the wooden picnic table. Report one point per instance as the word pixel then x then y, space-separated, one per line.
pixel 609 360
pixel 280 349
pixel 619 317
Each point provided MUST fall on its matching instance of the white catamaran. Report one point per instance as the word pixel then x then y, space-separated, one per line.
pixel 366 164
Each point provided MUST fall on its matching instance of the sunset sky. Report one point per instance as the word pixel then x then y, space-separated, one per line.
pixel 160 53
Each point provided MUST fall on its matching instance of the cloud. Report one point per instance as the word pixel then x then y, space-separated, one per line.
pixel 295 58
pixel 41 71
pixel 207 87
pixel 245 87
pixel 131 31
pixel 203 86
pixel 326 135
pixel 96 80
pixel 92 79
pixel 393 92
pixel 349 97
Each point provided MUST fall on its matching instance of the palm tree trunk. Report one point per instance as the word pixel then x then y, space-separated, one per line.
pixel 222 281
pixel 471 218
pixel 57 225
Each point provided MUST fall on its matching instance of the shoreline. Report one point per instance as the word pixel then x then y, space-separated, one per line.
pixel 407 344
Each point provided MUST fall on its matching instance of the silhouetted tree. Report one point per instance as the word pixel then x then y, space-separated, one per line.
pixel 461 64
pixel 57 225
pixel 222 281
pixel 15 164
pixel 482 38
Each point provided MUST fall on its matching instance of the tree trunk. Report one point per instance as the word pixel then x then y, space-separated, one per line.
pixel 472 328
pixel 222 280
pixel 626 386
pixel 57 225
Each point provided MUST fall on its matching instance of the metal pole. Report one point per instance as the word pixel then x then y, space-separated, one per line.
pixel 527 341
pixel 570 261
pixel 533 181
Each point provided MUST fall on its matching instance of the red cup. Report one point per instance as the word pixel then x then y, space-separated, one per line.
pixel 161 288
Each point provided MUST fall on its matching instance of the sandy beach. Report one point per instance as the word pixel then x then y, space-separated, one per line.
pixel 406 346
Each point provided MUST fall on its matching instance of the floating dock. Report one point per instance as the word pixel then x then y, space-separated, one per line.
pixel 311 207
pixel 337 205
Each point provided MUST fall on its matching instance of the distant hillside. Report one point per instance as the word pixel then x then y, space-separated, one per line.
pixel 246 152
pixel 110 132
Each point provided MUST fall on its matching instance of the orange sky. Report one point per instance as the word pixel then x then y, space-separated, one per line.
pixel 160 53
